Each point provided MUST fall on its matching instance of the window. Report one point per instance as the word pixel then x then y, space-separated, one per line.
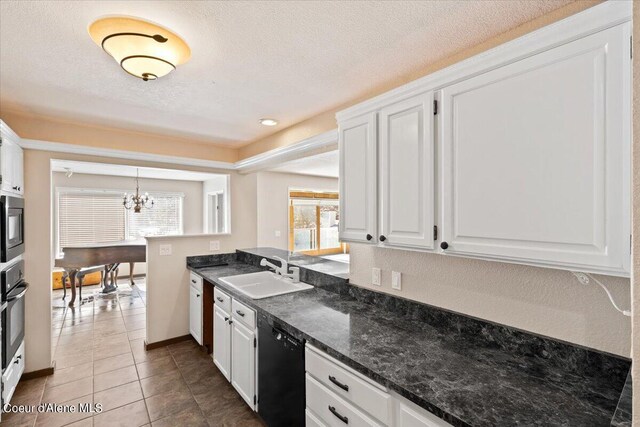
pixel 91 216
pixel 164 219
pixel 313 223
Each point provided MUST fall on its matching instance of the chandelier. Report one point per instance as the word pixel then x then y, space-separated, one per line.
pixel 137 201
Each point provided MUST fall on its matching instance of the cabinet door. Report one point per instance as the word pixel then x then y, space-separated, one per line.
pixel 6 165
pixel 17 170
pixel 195 314
pixel 222 341
pixel 358 169
pixel 536 158
pixel 243 362
pixel 407 172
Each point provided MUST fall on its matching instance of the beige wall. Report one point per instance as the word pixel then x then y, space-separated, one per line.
pixel 39 246
pixel 56 130
pixel 192 208
pixel 326 121
pixel 635 273
pixel 167 276
pixel 273 203
pixel 541 300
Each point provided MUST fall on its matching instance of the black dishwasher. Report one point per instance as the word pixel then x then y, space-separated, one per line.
pixel 281 383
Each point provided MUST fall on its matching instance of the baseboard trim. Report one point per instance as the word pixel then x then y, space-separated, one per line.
pixel 164 343
pixel 37 374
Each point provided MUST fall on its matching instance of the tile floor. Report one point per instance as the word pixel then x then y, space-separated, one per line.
pixel 100 358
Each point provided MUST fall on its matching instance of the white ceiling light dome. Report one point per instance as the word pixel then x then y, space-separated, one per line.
pixel 143 49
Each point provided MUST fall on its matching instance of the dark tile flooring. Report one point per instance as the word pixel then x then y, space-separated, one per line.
pixel 100 358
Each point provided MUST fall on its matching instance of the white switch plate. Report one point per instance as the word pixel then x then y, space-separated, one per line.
pixel 165 250
pixel 277 233
pixel 375 276
pixel 214 245
pixel 396 280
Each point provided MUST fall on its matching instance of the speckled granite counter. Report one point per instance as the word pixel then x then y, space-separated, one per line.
pixel 468 379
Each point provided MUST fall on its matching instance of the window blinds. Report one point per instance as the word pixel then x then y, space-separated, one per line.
pixel 90 217
pixel 87 218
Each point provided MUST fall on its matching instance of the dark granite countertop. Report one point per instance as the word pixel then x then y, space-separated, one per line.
pixel 449 374
pixel 623 415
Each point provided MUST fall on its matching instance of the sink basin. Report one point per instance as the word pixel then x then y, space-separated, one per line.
pixel 263 284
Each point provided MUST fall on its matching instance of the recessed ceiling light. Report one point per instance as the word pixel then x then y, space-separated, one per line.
pixel 268 122
pixel 143 49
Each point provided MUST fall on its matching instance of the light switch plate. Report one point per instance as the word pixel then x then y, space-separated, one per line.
pixel 375 276
pixel 277 233
pixel 214 245
pixel 396 280
pixel 165 250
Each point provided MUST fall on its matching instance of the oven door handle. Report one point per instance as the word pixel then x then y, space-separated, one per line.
pixel 21 294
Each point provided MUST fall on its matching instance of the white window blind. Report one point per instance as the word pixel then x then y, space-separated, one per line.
pixel 87 218
pixel 164 219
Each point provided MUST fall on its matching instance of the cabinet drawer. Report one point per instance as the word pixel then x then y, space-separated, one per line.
pixel 312 420
pixel 222 300
pixel 12 374
pixel 332 409
pixel 365 394
pixel 243 313
pixel 195 281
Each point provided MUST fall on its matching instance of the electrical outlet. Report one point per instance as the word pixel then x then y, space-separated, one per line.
pixel 396 280
pixel 277 233
pixel 165 250
pixel 214 245
pixel 375 277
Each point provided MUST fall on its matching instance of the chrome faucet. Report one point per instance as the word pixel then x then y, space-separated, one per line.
pixel 283 270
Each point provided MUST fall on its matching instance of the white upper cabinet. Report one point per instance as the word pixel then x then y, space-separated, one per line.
pixel 11 162
pixel 358 184
pixel 407 173
pixel 535 158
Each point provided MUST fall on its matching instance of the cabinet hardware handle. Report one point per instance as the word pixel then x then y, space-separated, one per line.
pixel 219 299
pixel 240 313
pixel 198 295
pixel 382 238
pixel 15 187
pixel 338 415
pixel 226 319
pixel 338 383
pixel 230 321
pixel 444 245
pixel 193 281
pixel 369 237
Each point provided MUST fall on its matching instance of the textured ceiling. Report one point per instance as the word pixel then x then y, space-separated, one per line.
pixel 250 59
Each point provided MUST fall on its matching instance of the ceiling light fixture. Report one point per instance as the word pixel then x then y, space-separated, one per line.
pixel 143 49
pixel 268 122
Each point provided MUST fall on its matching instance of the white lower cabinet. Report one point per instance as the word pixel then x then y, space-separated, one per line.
pixel 234 344
pixel 337 396
pixel 243 361
pixel 195 307
pixel 221 341
pixel 12 374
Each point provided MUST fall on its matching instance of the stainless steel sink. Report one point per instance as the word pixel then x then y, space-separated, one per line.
pixel 263 284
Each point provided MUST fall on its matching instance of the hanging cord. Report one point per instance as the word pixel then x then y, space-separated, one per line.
pixel 585 278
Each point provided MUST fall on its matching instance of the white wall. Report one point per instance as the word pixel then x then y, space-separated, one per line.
pixel 541 300
pixel 168 277
pixel 192 203
pixel 273 203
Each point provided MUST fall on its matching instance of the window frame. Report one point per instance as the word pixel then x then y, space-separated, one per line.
pixel 318 195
